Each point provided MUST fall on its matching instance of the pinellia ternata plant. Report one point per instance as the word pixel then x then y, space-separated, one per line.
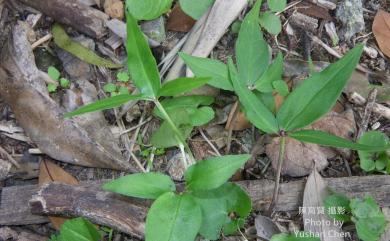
pixel 253 81
pixel 208 205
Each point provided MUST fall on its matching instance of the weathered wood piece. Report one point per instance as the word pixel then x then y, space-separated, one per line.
pixel 74 13
pixel 14 200
pixel 101 207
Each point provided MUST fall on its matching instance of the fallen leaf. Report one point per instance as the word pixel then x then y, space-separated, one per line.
pixel 50 172
pixel 299 157
pixel 237 120
pixel 313 10
pixel 114 8
pixel 338 124
pixel 381 30
pixel 63 41
pixel 316 222
pixel 179 20
pixel 265 227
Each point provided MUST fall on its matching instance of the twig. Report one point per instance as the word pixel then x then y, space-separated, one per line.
pixel 290 5
pixel 40 41
pixel 335 53
pixel 376 108
pixel 137 126
pixel 209 142
pixel 137 162
pixel 9 157
pixel 367 112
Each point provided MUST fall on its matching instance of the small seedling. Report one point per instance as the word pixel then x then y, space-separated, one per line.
pixel 370 161
pixel 54 74
pixel 369 220
pixel 77 229
pixel 122 77
pixel 209 204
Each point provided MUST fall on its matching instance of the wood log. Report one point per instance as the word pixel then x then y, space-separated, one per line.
pixel 14 208
pixel 81 17
pixel 101 207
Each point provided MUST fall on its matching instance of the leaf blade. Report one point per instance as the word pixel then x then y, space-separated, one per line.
pixel 212 173
pixel 62 39
pixel 141 63
pixel 251 49
pixel 107 103
pixel 149 185
pixel 182 85
pixel 255 110
pixel 195 9
pixel 317 94
pixel 205 67
pixel 326 139
pixel 180 215
pixel 148 9
pixel 274 72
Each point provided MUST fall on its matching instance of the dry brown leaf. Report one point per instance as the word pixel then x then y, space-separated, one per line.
pixel 299 157
pixel 114 8
pixel 237 120
pixel 381 30
pixel 313 10
pixel 179 20
pixel 315 221
pixel 50 172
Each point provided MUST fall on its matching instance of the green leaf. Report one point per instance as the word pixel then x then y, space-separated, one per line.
pixel 204 67
pixel 251 49
pixel 326 139
pixel 183 102
pixel 173 218
pixel 281 87
pixel 141 63
pixel 212 173
pixel 53 73
pixel 109 88
pixel 316 95
pixel 370 221
pixel 107 103
pixel 122 77
pixel 301 236
pixel 51 88
pixel 79 229
pixel 271 22
pixel 277 5
pixel 268 99
pixel 148 9
pixel 65 83
pixel 217 204
pixel 338 201
pixel 123 90
pixel 274 72
pixel 257 113
pixel 373 160
pixel 181 85
pixel 63 41
pixel 201 116
pixel 142 185
pixel 195 9
pixel 164 137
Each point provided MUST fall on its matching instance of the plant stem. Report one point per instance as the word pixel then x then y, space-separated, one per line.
pixel 282 146
pixel 178 134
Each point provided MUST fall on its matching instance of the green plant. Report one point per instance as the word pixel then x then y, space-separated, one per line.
pixel 147 9
pixel 370 161
pixel 77 229
pixel 269 20
pixel 207 206
pixel 195 9
pixel 54 74
pixel 174 112
pixel 253 80
pixel 369 221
